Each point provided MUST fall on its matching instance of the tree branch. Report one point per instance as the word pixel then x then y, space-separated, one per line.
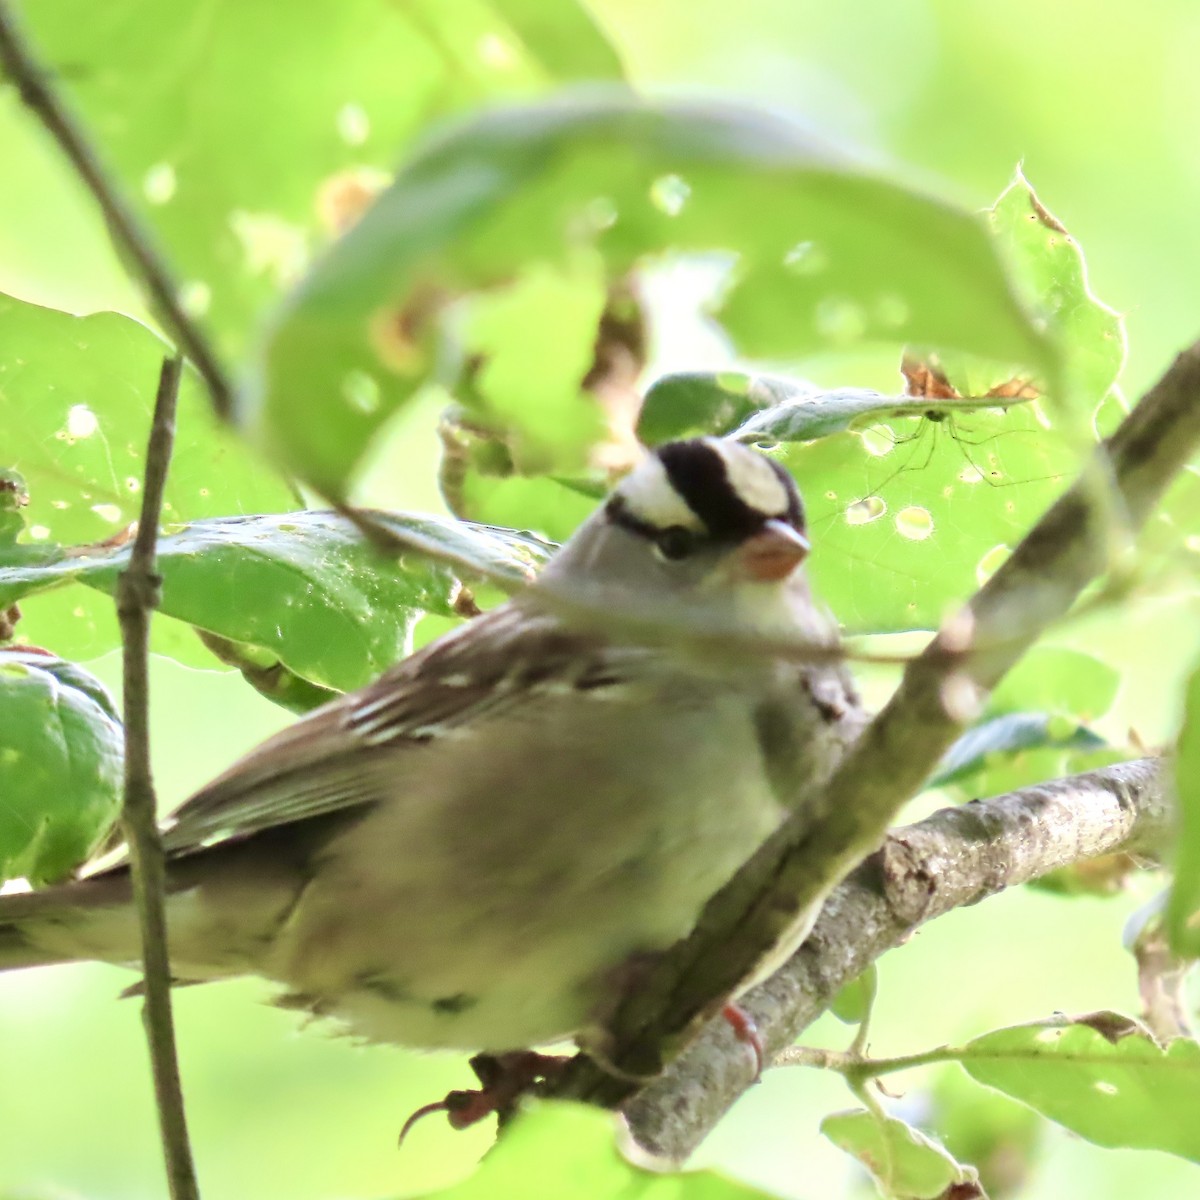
pixel 137 595
pixel 956 857
pixel 20 65
pixel 826 836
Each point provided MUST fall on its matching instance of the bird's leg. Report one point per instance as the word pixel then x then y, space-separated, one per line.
pixel 503 1080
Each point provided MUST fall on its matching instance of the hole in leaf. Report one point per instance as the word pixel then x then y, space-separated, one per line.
pixel 669 193
pixel 360 391
pixel 159 183
pixel 990 563
pixel 840 320
pixel 864 511
pixel 353 124
pixel 914 523
pixel 877 440
pixel 892 311
pixel 194 297
pixel 81 421
pixel 107 512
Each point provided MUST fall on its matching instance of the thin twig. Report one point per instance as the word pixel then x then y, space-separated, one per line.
pixel 20 65
pixel 954 858
pixel 137 595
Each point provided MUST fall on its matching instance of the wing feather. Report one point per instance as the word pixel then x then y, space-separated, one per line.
pixel 357 750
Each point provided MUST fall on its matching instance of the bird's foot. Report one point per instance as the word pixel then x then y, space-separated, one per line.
pixel 503 1080
pixel 746 1032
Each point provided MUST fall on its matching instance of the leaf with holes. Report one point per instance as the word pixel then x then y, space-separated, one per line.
pixel 1101 1076
pixel 1183 904
pixel 1051 274
pixel 241 205
pixel 61 766
pixel 834 256
pixel 910 516
pixel 76 395
pixel 302 587
pixel 906 1163
pixel 555 1150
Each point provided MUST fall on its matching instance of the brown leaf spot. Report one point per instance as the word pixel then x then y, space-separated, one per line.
pixel 1112 1026
pixel 343 198
pixel 1045 216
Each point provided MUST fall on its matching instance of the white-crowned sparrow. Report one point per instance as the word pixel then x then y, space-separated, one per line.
pixel 468 851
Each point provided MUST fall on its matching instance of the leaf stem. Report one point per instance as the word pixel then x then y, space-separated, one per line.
pixel 137 595
pixel 20 65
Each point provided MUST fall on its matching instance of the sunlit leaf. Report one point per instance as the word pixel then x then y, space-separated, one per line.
pixel 1051 273
pixel 559 1150
pixel 1102 1076
pixel 833 256
pixel 1183 906
pixel 302 587
pixel 906 1163
pixel 244 183
pixel 61 765
pixel 76 395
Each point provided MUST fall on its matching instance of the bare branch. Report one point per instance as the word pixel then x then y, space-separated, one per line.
pixel 956 857
pixel 20 65
pixel 137 596
pixel 833 831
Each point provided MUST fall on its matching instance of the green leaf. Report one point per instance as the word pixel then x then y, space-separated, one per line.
pixel 908 517
pixel 243 182
pixel 1102 1076
pixel 764 409
pixel 303 588
pixel 1049 268
pixel 1009 734
pixel 906 1163
pixel 481 482
pixel 853 1003
pixel 560 1151
pixel 533 343
pixel 885 492
pixel 1183 905
pixel 76 396
pixel 834 255
pixel 61 766
pixel 1058 680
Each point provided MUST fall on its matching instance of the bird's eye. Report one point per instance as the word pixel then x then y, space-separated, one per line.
pixel 675 542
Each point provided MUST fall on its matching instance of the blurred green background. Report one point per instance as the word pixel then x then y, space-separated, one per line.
pixel 1100 104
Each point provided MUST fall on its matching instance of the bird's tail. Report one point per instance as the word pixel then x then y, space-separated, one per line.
pixel 90 918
